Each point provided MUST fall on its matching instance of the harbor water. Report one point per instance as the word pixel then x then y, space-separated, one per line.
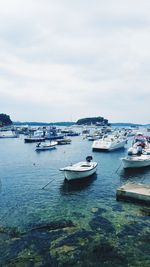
pixel 69 224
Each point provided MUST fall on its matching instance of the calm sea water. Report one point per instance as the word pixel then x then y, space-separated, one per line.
pixel 68 224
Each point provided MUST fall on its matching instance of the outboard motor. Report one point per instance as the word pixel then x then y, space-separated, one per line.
pixel 38 144
pixel 89 158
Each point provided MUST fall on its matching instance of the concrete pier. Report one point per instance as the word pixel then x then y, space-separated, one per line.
pixel 134 193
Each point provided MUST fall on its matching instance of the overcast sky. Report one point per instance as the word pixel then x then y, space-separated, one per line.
pixel 62 60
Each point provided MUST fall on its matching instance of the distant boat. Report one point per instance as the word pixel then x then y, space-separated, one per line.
pixel 53 134
pixel 93 137
pixel 38 136
pixel 72 133
pixel 63 141
pixel 8 134
pixel 33 139
pixel 45 146
pixel 80 170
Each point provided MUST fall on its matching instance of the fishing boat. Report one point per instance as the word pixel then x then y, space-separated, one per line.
pixel 80 170
pixel 38 136
pixel 33 139
pixel 46 146
pixel 53 134
pixel 137 161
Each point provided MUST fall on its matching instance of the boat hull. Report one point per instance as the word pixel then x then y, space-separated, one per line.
pixel 104 147
pixel 34 140
pixel 72 174
pixel 138 162
pixel 8 135
pixel 11 136
pixel 45 148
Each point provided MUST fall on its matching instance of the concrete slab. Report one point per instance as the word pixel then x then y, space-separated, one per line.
pixel 134 193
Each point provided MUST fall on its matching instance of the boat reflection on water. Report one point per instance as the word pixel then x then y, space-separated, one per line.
pixel 139 175
pixel 77 185
pixel 0 186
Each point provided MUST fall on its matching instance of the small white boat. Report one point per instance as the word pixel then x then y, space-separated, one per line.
pixel 109 143
pixel 136 161
pixel 80 170
pixel 46 146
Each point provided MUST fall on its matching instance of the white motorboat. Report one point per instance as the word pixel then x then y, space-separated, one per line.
pixel 46 146
pixel 80 170
pixel 136 161
pixel 109 143
pixel 8 134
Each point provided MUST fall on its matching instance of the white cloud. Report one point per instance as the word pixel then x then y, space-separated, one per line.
pixel 62 59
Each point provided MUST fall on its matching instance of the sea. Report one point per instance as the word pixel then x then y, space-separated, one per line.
pixel 47 221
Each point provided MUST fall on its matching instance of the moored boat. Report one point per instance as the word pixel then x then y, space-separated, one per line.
pixel 8 134
pixel 33 139
pixel 140 145
pixel 38 136
pixel 46 146
pixel 136 161
pixel 80 170
pixel 63 141
pixel 109 143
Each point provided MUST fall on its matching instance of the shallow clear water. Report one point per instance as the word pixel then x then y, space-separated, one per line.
pixel 79 223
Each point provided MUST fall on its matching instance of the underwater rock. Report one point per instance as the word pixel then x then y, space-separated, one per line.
pixel 131 229
pixel 11 231
pixel 56 225
pixel 105 252
pixel 101 224
pixel 92 254
pixel 98 211
pixel 94 210
pixel 117 207
pixel 145 212
pixel 73 239
pixel 26 258
pixel 146 237
pixel 61 250
pixel 78 214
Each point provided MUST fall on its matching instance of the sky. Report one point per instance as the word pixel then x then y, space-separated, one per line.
pixel 63 60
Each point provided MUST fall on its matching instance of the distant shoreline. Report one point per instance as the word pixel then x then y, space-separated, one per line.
pixel 73 123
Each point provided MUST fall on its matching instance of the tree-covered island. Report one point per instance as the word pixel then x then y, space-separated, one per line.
pixel 5 120
pixel 93 120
